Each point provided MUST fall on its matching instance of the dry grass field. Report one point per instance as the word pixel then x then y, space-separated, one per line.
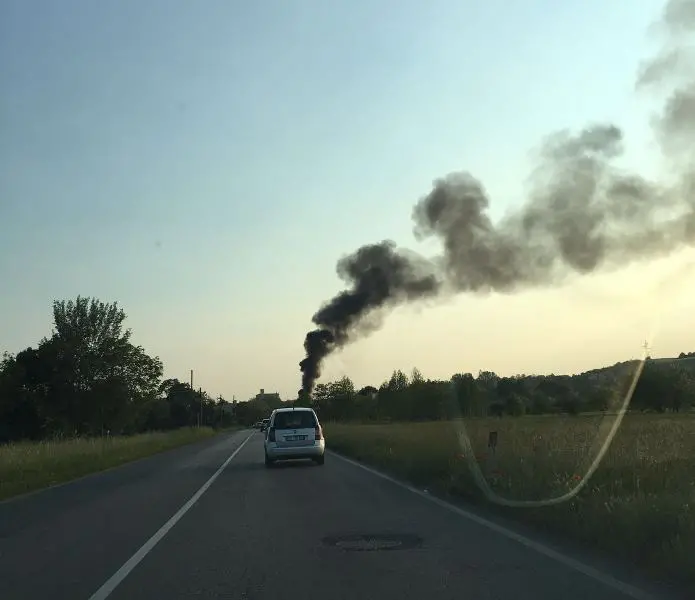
pixel 28 466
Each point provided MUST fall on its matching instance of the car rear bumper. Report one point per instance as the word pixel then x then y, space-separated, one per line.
pixel 275 453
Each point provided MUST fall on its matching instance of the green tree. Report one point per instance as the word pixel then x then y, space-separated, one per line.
pixel 514 405
pixel 368 390
pixel 87 377
pixel 398 381
pixel 416 377
pixel 467 393
pixel 102 377
pixel 654 389
pixel 343 388
pixel 20 403
pixel 322 400
pixel 342 395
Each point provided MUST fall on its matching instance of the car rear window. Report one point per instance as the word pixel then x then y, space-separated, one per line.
pixel 300 419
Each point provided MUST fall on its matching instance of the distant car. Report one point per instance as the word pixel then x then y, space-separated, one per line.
pixel 257 424
pixel 264 424
pixel 294 433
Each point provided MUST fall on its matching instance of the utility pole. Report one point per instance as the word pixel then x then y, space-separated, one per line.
pixel 200 418
pixel 193 392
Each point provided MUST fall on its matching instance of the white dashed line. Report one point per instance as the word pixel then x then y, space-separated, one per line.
pixel 114 581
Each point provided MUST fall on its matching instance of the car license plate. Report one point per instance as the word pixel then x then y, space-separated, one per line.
pixel 295 438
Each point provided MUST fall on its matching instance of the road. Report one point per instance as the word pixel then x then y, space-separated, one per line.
pixel 255 533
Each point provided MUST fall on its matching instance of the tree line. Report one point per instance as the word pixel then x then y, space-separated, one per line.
pixel 87 378
pixel 664 385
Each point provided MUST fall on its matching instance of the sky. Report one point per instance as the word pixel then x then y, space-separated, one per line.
pixel 205 164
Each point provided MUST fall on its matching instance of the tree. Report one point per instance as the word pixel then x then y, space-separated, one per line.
pixel 322 398
pixel 98 374
pixel 654 389
pixel 368 390
pixel 343 388
pixel 661 388
pixel 468 393
pixel 19 403
pixel 416 377
pixel 515 405
pixel 86 378
pixel 669 387
pixel 507 386
pixel 341 399
pixel 540 403
pixel 398 382
pixel 488 380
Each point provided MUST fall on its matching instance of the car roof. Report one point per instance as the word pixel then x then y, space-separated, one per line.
pixel 299 408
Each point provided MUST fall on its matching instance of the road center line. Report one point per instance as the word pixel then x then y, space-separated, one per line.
pixel 114 581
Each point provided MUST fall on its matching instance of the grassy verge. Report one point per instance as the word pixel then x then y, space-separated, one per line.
pixel 29 466
pixel 639 504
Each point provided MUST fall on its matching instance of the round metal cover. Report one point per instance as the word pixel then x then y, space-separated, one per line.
pixel 373 542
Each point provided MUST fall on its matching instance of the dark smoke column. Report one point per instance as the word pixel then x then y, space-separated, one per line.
pixel 378 275
pixel 583 213
pixel 318 344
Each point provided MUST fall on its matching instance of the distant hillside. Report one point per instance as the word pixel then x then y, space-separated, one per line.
pixel 621 370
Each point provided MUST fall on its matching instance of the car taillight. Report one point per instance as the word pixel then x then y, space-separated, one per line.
pixel 319 433
pixel 271 435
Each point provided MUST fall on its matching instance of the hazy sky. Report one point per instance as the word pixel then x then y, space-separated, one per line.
pixel 206 163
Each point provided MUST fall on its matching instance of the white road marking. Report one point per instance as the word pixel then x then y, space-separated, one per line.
pixel 607 580
pixel 114 581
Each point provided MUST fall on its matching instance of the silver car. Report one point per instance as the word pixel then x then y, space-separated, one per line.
pixel 294 433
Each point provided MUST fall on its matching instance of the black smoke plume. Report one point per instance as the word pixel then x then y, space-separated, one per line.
pixel 583 214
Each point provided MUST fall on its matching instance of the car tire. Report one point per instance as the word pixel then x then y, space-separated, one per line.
pixel 320 460
pixel 268 462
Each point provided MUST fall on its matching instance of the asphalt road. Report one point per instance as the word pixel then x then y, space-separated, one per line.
pixel 256 533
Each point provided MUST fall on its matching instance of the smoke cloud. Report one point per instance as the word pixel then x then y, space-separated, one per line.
pixel 583 214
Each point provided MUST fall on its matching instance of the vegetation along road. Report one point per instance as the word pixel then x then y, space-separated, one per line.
pixel 182 524
pixel 203 517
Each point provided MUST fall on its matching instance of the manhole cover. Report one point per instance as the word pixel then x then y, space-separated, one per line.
pixel 373 542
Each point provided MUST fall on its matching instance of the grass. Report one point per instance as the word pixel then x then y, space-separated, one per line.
pixel 638 505
pixel 29 466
